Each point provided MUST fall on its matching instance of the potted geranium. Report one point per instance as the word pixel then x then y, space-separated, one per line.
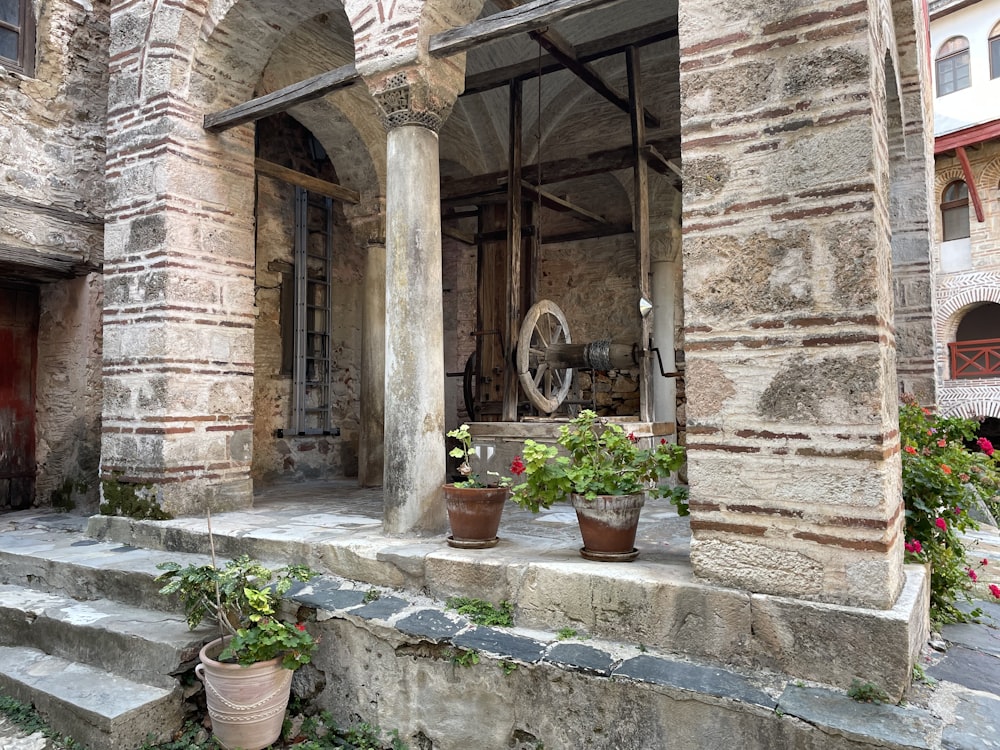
pixel 475 503
pixel 247 671
pixel 606 474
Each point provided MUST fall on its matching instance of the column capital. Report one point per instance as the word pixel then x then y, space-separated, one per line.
pixel 421 94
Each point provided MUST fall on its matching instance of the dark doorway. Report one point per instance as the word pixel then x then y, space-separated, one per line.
pixel 18 345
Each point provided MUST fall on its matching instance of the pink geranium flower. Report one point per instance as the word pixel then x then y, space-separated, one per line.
pixel 941 523
pixel 985 446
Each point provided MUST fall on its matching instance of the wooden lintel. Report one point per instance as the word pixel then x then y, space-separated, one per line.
pixel 499 235
pixel 313 184
pixel 283 99
pixel 457 234
pixel 561 204
pixel 614 44
pixel 519 20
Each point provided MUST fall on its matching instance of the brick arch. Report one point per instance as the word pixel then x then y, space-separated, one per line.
pixel 978 402
pixel 943 178
pixel 990 175
pixel 985 287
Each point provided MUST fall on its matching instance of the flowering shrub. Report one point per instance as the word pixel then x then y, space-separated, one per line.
pixel 942 479
pixel 601 460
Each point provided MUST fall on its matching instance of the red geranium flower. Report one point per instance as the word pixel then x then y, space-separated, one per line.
pixel 941 523
pixel 517 466
pixel 910 449
pixel 946 468
pixel 300 626
pixel 995 590
pixel 985 446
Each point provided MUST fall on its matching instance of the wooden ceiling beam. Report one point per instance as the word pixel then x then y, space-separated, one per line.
pixel 558 170
pixel 563 51
pixel 313 184
pixel 596 49
pixel 521 19
pixel 562 205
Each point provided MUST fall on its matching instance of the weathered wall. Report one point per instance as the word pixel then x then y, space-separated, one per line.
pixel 51 231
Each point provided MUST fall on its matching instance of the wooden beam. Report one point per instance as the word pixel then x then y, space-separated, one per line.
pixel 313 184
pixel 970 180
pixel 283 99
pixel 561 204
pixel 557 170
pixel 640 221
pixel 563 51
pixel 524 18
pixel 658 31
pixel 466 238
pixel 590 233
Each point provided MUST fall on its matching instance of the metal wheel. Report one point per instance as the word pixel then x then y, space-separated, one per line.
pixel 545 385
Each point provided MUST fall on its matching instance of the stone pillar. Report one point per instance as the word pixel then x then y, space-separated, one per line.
pixel 412 108
pixel 370 450
pixel 791 414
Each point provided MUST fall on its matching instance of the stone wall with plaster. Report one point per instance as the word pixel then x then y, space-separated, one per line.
pixel 52 148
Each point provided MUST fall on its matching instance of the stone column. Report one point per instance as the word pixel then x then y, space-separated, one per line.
pixel 792 415
pixel 370 450
pixel 412 108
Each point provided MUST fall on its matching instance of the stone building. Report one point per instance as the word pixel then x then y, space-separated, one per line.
pixel 965 42
pixel 252 240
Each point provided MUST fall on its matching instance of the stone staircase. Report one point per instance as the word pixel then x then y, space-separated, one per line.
pixel 85 636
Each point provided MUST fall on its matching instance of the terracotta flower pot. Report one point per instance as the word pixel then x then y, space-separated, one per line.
pixel 608 524
pixel 474 515
pixel 247 704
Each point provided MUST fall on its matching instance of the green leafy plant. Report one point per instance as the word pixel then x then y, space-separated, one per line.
pixel 241 598
pixel 131 499
pixel 464 657
pixel 482 612
pixel 867 692
pixel 470 461
pixel 600 459
pixel 942 478
pixel 508 667
pixel 565 634
pixel 372 595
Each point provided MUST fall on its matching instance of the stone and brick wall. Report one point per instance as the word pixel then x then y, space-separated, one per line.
pixel 52 148
pixel 968 281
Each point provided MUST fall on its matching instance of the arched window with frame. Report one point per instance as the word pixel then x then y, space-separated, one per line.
pixel 995 51
pixel 17 36
pixel 955 211
pixel 952 66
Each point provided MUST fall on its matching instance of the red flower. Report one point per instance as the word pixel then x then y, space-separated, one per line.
pixel 517 466
pixel 632 437
pixel 941 523
pixel 946 468
pixel 910 449
pixel 985 446
pixel 914 547
pixel 995 590
pixel 942 443
pixel 972 575
pixel 925 410
pixel 663 441
pixel 299 626
pixel 985 562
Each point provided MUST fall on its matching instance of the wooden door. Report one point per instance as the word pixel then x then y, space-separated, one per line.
pixel 18 342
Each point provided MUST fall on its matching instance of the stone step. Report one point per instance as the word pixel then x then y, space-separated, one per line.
pixel 65 561
pixel 140 644
pixel 101 710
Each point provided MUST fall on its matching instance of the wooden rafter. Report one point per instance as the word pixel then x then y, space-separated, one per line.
pixel 561 204
pixel 522 19
pixel 563 51
pixel 614 44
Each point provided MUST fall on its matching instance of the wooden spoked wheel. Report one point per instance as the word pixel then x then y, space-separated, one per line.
pixel 545 383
